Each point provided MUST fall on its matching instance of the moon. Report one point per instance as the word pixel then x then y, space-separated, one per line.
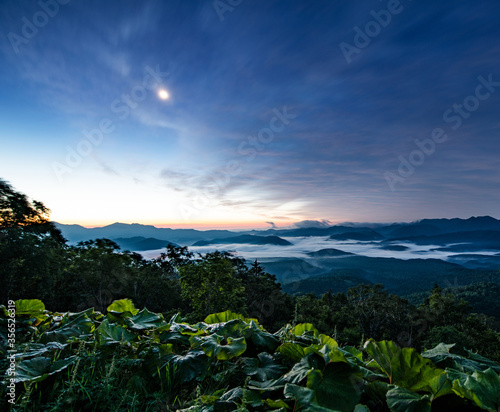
pixel 163 94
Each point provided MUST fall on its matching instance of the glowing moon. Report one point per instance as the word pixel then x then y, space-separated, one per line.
pixel 163 94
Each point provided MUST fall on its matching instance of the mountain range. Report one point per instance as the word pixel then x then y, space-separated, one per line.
pixel 187 237
pixel 405 257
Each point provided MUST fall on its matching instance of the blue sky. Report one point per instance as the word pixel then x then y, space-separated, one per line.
pixel 278 111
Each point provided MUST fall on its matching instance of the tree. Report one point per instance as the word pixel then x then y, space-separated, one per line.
pixel 32 249
pixel 210 285
pixel 264 297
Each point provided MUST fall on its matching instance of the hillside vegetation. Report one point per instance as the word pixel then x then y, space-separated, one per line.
pixel 127 333
pixel 135 360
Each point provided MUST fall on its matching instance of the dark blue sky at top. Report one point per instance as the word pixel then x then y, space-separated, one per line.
pixel 354 123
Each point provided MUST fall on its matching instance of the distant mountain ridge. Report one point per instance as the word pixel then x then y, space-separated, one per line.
pixel 187 237
pixel 246 239
pixel 77 233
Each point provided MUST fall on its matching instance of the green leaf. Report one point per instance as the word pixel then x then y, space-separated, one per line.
pixel 439 386
pixel 337 386
pixel 36 349
pixel 303 396
pixel 215 347
pixel 72 325
pixel 355 357
pixel 328 341
pixel 263 367
pixel 301 369
pixel 304 399
pixel 440 353
pixel 307 328
pixel 262 339
pixel 292 351
pixel 271 385
pixel 235 328
pixel 110 334
pixel 193 365
pixel 145 320
pixel 404 367
pixel 403 400
pixel 483 388
pixel 39 369
pixel 186 329
pixel 484 362
pixel 232 395
pixel 223 317
pixel 276 404
pixel 29 307
pixel 252 398
pixel 121 309
pixel 376 391
pixel 32 370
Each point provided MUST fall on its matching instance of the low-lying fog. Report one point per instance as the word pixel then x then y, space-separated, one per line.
pixel 302 245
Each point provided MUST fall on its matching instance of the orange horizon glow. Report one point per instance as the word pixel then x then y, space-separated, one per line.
pixel 193 225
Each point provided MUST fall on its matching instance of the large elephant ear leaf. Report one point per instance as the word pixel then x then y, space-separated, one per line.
pixel 215 346
pixel 403 367
pixel 385 353
pixel 303 396
pixel 145 320
pixel 263 367
pixel 185 368
pixel 402 400
pixel 483 388
pixel 304 399
pixel 29 307
pixel 109 334
pixel 39 369
pixel 337 386
pixel 305 328
pixel 120 309
pixel 72 325
pixel 440 353
pixel 262 339
pixel 224 317
pixel 483 363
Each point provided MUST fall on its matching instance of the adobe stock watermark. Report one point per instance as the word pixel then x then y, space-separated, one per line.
pixel 364 36
pixel 121 107
pixel 222 7
pixel 453 116
pixel 11 353
pixel 30 27
pixel 248 149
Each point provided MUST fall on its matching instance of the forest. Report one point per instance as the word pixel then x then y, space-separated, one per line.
pixel 100 328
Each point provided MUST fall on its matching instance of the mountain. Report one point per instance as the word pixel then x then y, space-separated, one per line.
pixel 246 239
pixel 77 233
pixel 398 276
pixel 362 236
pixel 417 229
pixel 309 231
pixel 329 253
pixel 140 243
pixel 290 269
pixel 477 236
pixel 429 227
pixel 394 248
pixel 464 225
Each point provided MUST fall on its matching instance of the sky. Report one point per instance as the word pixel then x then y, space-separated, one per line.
pixel 239 113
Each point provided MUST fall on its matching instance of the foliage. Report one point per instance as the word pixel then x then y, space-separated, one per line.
pixel 137 361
